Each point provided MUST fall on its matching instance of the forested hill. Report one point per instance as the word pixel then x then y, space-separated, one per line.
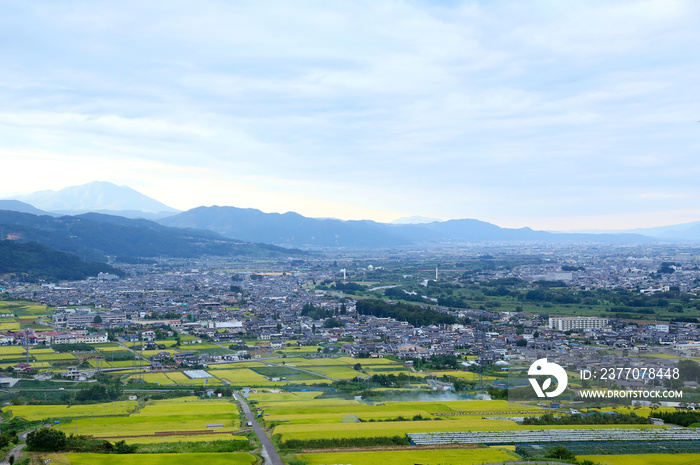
pixel 93 236
pixel 413 314
pixel 36 261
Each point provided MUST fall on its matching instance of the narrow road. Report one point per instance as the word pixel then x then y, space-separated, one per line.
pixel 269 452
pixel 17 450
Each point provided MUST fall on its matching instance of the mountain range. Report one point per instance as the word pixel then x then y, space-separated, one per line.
pixel 95 236
pixel 294 230
pixel 97 197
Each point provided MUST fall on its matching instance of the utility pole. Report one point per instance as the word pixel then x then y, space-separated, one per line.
pixel 26 343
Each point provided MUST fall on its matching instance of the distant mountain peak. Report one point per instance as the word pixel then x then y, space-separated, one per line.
pixel 100 196
pixel 415 220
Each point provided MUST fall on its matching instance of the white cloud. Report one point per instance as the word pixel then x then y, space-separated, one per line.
pixel 394 108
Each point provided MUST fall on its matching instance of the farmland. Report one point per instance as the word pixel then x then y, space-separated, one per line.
pixel 184 414
pixel 650 459
pixel 126 420
pixel 40 412
pixel 229 458
pixel 428 457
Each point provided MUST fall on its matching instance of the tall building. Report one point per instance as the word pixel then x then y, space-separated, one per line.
pixel 577 323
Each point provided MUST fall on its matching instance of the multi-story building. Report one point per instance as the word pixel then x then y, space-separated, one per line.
pixel 577 323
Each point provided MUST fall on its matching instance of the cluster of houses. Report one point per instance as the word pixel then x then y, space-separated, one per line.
pixel 194 298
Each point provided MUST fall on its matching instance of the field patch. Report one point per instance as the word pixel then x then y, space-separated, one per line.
pixel 244 376
pixel 650 459
pixel 188 415
pixel 40 412
pixel 190 438
pixel 217 458
pixel 466 375
pixel 425 457
pixel 49 357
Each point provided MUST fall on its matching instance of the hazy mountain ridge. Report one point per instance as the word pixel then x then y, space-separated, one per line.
pixel 17 206
pixel 93 236
pixel 285 229
pixel 292 229
pixel 97 196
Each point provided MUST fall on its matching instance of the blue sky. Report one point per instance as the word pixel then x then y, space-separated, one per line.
pixel 555 115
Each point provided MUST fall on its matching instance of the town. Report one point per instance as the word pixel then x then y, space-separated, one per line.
pixel 397 325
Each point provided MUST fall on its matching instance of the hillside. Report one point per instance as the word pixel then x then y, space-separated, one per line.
pixel 292 229
pixel 40 262
pixel 289 229
pixel 94 236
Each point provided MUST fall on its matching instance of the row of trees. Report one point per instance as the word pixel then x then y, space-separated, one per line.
pixel 53 440
pixel 413 314
pixel 588 419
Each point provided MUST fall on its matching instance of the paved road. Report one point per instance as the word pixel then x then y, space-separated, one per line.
pixel 17 450
pixel 269 452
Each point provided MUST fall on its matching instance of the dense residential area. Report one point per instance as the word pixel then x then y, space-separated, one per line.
pixel 367 338
pixel 630 302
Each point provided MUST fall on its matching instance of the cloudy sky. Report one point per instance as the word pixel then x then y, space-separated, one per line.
pixel 555 115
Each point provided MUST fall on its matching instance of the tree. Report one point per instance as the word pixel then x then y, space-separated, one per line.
pixel 521 342
pixel 121 447
pixel 689 370
pixel 333 323
pixel 560 452
pixel 358 366
pixel 46 440
pixel 97 320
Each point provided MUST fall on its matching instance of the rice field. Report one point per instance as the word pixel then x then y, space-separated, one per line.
pixel 647 459
pixel 248 364
pixel 466 375
pixel 348 361
pixel 108 349
pixel 190 438
pixel 244 377
pixel 218 458
pixel 175 377
pixel 53 356
pixel 336 372
pixel 180 378
pixel 160 378
pixel 24 308
pixel 425 457
pixel 305 400
pixel 9 326
pixel 182 414
pixel 375 429
pixel 40 412
pixel 308 416
pixel 331 405
pixel 291 350
pixel 13 350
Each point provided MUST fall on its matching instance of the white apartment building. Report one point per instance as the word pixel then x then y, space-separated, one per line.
pixel 577 323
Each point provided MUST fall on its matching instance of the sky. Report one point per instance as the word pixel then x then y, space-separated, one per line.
pixel 555 115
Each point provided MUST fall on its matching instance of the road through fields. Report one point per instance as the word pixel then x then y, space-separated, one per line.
pixel 269 452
